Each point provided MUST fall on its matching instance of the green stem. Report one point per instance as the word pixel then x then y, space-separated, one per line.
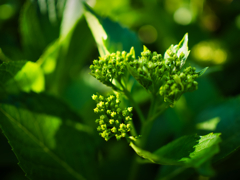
pixel 163 107
pixel 133 130
pixel 145 130
pixel 135 105
pixel 147 126
pixel 152 107
pixel 134 168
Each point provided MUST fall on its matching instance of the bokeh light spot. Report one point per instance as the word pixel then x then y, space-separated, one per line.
pixel 6 11
pixel 183 16
pixel 148 34
pixel 209 52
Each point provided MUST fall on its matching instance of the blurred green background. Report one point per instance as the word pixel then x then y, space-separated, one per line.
pixel 27 28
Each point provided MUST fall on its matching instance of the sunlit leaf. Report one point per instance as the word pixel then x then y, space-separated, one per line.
pixel 110 36
pixel 189 151
pixel 227 113
pixel 22 75
pixel 46 147
pixel 72 12
pixel 38 29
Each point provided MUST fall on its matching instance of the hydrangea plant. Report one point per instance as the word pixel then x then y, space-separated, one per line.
pixel 166 79
pixel 162 76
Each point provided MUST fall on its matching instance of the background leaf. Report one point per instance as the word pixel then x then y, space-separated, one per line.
pixel 39 26
pixel 190 151
pixel 22 75
pixel 228 116
pixel 48 147
pixel 110 36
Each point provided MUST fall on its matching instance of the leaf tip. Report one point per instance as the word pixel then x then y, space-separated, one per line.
pixel 145 48
pixel 200 73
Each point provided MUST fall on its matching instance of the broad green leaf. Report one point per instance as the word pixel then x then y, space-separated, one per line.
pixel 48 147
pixel 151 157
pixel 227 116
pixel 72 12
pixel 64 58
pixel 190 151
pixel 22 75
pixel 39 26
pixel 110 36
pixel 41 103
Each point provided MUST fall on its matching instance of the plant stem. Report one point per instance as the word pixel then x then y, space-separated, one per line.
pixel 135 105
pixel 133 130
pixel 134 168
pixel 145 130
pixel 164 106
pixel 152 107
pixel 147 126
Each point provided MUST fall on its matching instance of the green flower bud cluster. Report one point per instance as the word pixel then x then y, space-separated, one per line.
pixel 149 68
pixel 163 75
pixel 112 66
pixel 113 121
pixel 160 75
pixel 178 83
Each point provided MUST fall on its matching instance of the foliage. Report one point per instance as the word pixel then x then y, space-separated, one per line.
pixel 171 118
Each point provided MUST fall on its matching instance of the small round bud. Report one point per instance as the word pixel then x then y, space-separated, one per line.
pixel 114 130
pixel 123 134
pixel 102 117
pixel 195 83
pixel 118 137
pixel 104 126
pixel 101 98
pixel 111 121
pixel 113 114
pixel 96 110
pixel 100 104
pixel 128 118
pixel 101 122
pixel 97 120
pixel 117 122
pixel 130 109
pixel 99 128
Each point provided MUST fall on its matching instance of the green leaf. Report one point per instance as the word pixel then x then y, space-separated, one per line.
pixel 45 104
pixel 110 36
pixel 190 151
pixel 73 11
pixel 21 75
pixel 181 48
pixel 47 146
pixel 200 73
pixel 227 114
pixel 63 59
pixel 39 26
